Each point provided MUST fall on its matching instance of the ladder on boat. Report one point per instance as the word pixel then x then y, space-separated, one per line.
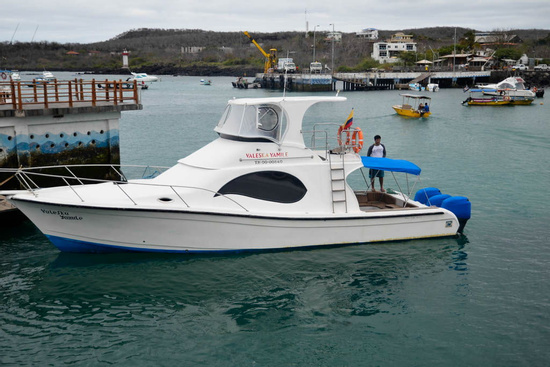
pixel 338 183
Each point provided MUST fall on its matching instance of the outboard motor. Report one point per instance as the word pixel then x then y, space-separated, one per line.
pixel 438 199
pixel 423 195
pixel 459 206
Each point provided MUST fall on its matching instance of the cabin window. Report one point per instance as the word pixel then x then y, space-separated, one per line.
pixel 224 116
pixel 265 122
pixel 268 119
pixel 279 187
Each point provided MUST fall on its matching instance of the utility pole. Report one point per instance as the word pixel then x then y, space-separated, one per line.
pixel 454 53
pixel 314 29
pixel 332 66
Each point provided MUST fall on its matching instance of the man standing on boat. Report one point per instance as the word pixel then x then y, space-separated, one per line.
pixel 377 150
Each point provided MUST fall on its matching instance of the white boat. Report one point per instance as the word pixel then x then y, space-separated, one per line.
pixel 514 86
pixel 47 76
pixel 15 76
pixel 258 186
pixel 7 75
pixel 416 86
pixel 432 87
pixel 205 82
pixel 142 77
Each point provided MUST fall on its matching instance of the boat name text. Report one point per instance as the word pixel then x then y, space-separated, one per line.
pixel 62 214
pixel 266 155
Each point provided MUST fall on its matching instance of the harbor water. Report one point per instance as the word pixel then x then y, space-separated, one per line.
pixel 480 299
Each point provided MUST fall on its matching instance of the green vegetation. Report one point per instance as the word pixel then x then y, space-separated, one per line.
pixel 198 52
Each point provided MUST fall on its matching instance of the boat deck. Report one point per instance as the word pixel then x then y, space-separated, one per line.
pixel 376 200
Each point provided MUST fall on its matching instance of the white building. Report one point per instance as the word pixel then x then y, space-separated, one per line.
pixel 191 49
pixel 336 36
pixel 368 33
pixel 388 52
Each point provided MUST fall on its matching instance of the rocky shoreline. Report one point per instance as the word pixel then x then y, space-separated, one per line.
pixel 192 70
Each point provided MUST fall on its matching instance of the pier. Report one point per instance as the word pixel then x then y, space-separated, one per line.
pixel 62 122
pixel 379 80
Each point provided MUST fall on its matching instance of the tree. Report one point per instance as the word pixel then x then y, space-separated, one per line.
pixel 469 41
pixel 507 53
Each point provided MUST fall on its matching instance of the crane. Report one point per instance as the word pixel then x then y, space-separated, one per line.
pixel 270 58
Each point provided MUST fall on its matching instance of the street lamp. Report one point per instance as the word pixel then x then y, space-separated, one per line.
pixel 332 66
pixel 314 29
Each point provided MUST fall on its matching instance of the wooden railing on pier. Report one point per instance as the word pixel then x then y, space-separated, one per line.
pixel 51 94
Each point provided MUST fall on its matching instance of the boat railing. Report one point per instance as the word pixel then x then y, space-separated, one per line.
pixel 325 136
pixel 29 179
pixel 20 95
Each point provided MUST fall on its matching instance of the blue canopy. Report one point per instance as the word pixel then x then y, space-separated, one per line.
pixel 393 165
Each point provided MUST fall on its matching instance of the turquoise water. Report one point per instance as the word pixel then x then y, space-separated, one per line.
pixel 482 299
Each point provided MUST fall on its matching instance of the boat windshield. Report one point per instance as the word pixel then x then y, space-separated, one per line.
pixel 263 121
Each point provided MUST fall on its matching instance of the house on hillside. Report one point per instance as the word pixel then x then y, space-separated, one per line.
pixel 484 38
pixel 370 34
pixel 388 51
pixel 457 61
pixel 191 49
pixel 336 36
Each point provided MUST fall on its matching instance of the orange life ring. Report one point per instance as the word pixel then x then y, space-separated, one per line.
pixel 348 136
pixel 357 140
pixel 4 75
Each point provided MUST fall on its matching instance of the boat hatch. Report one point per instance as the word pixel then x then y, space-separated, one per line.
pixel 252 122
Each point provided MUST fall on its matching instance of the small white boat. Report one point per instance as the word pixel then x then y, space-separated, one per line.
pixel 432 87
pixel 47 76
pixel 416 87
pixel 143 78
pixel 7 75
pixel 258 186
pixel 205 82
pixel 514 86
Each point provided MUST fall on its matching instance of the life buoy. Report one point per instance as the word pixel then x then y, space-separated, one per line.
pixel 348 136
pixel 4 75
pixel 357 140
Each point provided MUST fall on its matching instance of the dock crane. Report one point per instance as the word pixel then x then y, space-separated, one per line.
pixel 270 58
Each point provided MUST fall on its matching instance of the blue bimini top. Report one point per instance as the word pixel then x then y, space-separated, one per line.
pixel 392 165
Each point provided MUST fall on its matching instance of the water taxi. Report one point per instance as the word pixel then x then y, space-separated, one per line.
pixel 493 97
pixel 414 106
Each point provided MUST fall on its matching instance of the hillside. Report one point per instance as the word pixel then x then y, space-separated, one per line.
pixel 164 51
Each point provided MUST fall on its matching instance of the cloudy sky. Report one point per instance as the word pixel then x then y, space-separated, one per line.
pixel 98 20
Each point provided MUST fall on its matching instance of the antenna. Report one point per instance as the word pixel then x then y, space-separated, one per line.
pixel 307 25
pixel 11 42
pixel 34 34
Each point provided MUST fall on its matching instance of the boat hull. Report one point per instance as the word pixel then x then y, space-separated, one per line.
pixel 91 229
pixel 487 103
pixel 410 112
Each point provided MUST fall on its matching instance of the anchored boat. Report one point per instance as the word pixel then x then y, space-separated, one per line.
pixel 258 186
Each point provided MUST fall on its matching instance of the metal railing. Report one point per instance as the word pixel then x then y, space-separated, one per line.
pixel 27 177
pixel 49 94
pixel 324 136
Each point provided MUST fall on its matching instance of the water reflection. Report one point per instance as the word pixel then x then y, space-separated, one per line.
pixel 112 298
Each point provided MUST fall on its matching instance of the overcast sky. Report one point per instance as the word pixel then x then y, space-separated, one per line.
pixel 79 21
